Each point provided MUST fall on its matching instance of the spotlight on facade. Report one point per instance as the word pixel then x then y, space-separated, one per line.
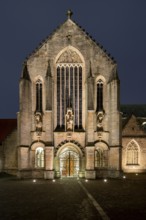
pixel 53 181
pixel 124 177
pixel 105 180
pixel 34 181
pixel 86 180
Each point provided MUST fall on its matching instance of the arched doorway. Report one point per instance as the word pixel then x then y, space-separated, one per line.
pixel 69 163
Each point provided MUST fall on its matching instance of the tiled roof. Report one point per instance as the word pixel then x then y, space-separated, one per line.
pixel 137 110
pixel 6 127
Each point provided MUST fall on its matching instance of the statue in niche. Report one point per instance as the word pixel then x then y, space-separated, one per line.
pixel 69 120
pixel 38 122
pixel 99 119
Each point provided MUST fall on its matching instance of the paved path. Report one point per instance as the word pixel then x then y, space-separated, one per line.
pixel 63 200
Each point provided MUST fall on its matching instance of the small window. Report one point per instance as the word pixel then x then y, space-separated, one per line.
pixel 99 96
pixel 132 154
pixel 39 157
pixel 39 96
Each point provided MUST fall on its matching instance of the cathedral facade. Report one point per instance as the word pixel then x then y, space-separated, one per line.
pixel 70 122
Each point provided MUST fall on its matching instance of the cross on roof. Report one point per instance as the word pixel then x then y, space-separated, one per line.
pixel 69 14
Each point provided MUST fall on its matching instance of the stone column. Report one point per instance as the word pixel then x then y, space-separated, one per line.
pixel 90 172
pixel 49 161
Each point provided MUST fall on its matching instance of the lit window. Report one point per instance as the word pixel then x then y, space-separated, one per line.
pixel 38 96
pixel 39 157
pixel 132 154
pixel 101 158
pixel 69 93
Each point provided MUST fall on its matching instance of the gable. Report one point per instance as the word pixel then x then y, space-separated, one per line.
pixel 132 127
pixel 71 34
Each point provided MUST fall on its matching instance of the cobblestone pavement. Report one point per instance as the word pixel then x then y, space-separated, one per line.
pixel 43 199
pixel 120 199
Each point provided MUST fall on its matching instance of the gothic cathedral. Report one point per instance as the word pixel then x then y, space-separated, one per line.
pixel 70 122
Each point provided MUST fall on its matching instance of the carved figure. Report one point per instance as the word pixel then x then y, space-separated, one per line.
pixel 100 116
pixel 69 120
pixel 38 122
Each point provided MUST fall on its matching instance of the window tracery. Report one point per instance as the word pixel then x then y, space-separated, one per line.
pixel 100 158
pixel 69 88
pixel 132 154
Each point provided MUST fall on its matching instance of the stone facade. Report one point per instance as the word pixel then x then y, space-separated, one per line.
pixel 70 122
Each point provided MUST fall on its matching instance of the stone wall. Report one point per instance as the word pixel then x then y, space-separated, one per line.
pixel 10 153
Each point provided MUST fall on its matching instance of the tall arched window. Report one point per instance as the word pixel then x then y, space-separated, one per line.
pixel 39 157
pixel 99 96
pixel 69 88
pixel 132 154
pixel 101 158
pixel 39 96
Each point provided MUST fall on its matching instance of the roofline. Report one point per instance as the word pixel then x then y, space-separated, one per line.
pixel 108 55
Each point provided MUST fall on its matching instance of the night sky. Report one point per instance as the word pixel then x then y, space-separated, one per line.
pixel 119 26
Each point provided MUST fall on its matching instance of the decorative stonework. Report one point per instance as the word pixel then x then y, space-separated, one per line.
pixel 70 141
pixel 69 56
pixel 99 120
pixel 99 135
pixel 38 123
pixel 69 120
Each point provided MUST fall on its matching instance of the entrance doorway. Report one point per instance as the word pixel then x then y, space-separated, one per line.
pixel 69 163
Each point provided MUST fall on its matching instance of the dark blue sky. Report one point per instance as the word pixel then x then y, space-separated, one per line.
pixel 120 26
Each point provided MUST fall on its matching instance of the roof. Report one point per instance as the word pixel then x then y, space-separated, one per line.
pixel 69 19
pixel 137 110
pixel 6 127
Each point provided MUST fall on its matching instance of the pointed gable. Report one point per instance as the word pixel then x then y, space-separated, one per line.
pixel 71 26
pixel 77 46
pixel 132 127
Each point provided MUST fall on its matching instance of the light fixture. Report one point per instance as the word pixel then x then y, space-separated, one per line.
pixel 124 177
pixel 34 181
pixel 53 181
pixel 86 180
pixel 105 180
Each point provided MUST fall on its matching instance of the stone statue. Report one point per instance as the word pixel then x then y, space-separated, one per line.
pixel 38 122
pixel 69 120
pixel 100 116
